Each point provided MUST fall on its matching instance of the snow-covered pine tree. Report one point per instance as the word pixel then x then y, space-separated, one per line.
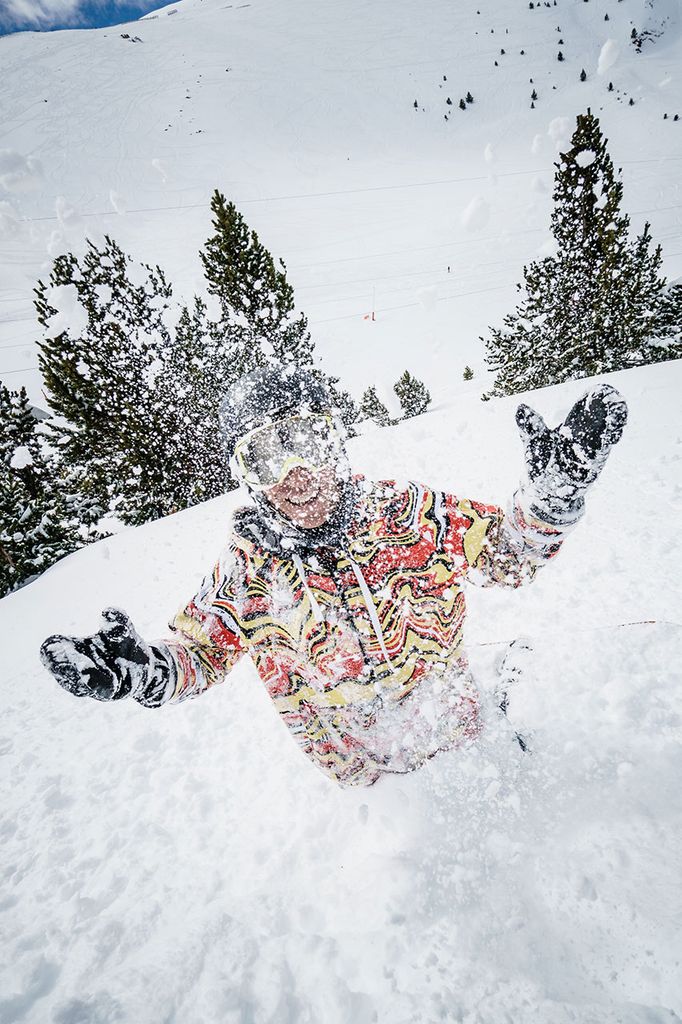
pixel 188 388
pixel 597 305
pixel 38 520
pixel 468 373
pixel 105 336
pixel 344 406
pixel 372 408
pixel 412 394
pixel 258 318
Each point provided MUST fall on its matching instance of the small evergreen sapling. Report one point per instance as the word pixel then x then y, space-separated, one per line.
pixel 412 394
pixel 372 408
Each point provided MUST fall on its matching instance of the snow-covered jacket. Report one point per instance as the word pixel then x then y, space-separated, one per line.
pixel 360 647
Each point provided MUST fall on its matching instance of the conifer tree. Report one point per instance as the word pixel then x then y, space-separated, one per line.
pixel 412 394
pixel 344 406
pixel 38 517
pixel 258 317
pixel 599 304
pixel 468 373
pixel 105 338
pixel 194 368
pixel 372 408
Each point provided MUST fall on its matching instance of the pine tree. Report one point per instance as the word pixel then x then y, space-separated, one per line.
pixel 344 406
pixel 599 304
pixel 412 394
pixel 100 361
pixel 469 98
pixel 256 300
pixel 560 56
pixel 38 517
pixel 194 368
pixel 468 373
pixel 583 75
pixel 371 408
pixel 462 105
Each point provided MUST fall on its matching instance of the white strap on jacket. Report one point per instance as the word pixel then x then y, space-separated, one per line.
pixel 317 611
pixel 366 595
pixel 371 608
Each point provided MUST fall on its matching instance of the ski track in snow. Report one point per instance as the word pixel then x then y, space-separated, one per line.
pixel 189 865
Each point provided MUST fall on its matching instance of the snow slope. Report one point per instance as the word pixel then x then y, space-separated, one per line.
pixel 303 114
pixel 189 865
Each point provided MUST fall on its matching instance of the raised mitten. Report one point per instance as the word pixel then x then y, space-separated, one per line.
pixel 563 462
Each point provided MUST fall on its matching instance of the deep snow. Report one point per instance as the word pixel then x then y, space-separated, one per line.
pixel 190 865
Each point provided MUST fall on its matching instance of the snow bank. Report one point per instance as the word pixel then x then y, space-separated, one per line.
pixel 190 865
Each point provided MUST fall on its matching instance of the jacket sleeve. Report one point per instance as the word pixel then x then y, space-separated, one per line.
pixel 497 548
pixel 206 640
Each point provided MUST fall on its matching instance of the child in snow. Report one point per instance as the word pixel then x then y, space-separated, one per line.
pixel 348 594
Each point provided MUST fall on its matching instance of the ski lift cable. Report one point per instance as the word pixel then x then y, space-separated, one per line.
pixel 342 192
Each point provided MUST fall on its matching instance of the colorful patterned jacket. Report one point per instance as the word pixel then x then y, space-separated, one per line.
pixel 360 649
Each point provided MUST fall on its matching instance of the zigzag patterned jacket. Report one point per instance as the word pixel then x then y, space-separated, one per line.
pixel 360 649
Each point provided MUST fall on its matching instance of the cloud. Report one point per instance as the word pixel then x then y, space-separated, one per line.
pixel 46 14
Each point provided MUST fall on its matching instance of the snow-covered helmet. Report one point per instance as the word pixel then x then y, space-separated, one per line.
pixel 265 394
pixel 276 418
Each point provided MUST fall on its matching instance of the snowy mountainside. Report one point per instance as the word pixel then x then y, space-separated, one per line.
pixel 190 865
pixel 304 115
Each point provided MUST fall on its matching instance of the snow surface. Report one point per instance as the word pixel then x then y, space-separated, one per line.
pixel 189 865
pixel 21 458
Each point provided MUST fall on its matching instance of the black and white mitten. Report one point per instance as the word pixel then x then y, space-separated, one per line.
pixel 111 664
pixel 562 463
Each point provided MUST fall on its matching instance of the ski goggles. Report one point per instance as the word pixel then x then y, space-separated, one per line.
pixel 265 455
